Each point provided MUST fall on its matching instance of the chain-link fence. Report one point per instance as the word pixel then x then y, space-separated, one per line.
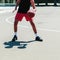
pixel 47 2
pixel 7 2
pixel 38 2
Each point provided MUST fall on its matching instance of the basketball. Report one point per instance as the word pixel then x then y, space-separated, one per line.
pixel 31 13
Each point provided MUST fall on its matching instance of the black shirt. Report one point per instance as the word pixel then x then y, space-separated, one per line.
pixel 24 6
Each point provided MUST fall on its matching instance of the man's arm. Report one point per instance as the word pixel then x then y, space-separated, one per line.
pixel 17 3
pixel 33 4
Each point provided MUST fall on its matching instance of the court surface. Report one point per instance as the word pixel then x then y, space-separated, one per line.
pixel 47 21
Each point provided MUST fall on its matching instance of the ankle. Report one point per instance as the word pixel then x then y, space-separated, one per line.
pixel 36 34
pixel 15 33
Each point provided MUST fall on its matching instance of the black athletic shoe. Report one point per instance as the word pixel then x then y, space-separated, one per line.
pixel 38 39
pixel 14 38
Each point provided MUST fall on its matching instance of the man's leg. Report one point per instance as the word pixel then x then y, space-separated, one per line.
pixel 15 25
pixel 15 30
pixel 37 38
pixel 33 26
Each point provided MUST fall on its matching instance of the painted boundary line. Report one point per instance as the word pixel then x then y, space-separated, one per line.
pixel 7 20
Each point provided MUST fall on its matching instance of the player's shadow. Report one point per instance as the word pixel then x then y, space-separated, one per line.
pixel 19 44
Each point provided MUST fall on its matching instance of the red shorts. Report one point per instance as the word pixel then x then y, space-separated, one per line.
pixel 19 17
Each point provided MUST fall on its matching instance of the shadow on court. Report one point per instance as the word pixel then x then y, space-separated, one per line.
pixel 19 44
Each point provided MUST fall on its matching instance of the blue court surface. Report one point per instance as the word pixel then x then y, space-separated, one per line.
pixel 47 21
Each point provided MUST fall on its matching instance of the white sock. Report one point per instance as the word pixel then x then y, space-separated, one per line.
pixel 15 33
pixel 36 35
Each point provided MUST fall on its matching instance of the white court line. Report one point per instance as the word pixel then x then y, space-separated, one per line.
pixel 4 11
pixel 7 20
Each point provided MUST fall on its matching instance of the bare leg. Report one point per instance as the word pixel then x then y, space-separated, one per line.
pixel 15 30
pixel 15 25
pixel 37 38
pixel 33 26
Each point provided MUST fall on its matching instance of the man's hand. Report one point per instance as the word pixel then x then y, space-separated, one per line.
pixel 14 10
pixel 32 10
pixel 17 3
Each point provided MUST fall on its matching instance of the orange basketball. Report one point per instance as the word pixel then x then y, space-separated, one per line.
pixel 31 14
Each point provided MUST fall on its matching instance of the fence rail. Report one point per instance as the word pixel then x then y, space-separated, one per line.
pixel 38 2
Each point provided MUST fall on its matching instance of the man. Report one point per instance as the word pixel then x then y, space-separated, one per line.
pixel 24 6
